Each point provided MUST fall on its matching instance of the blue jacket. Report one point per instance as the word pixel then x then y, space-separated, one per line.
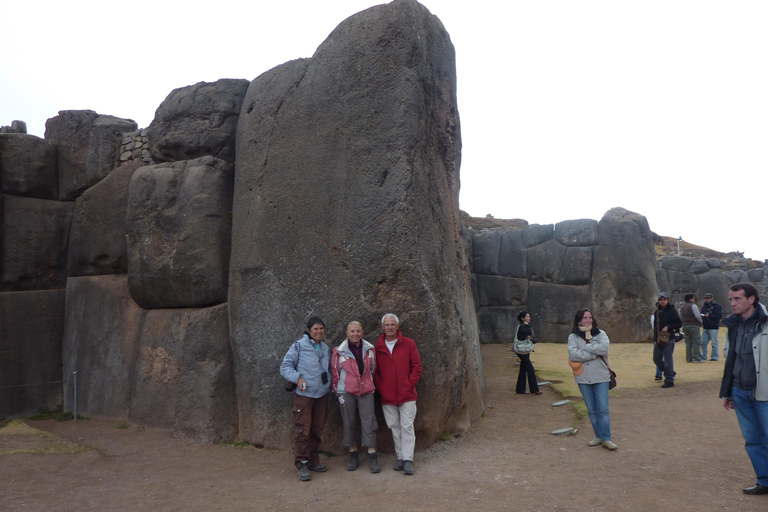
pixel 303 360
pixel 715 311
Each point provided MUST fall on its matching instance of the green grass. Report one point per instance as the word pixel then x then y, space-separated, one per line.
pixel 58 415
pixel 236 444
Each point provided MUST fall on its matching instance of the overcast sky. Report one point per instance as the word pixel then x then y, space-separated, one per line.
pixel 568 108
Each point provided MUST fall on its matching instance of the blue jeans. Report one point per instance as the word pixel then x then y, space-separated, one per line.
pixel 706 336
pixel 753 420
pixel 662 356
pixel 596 399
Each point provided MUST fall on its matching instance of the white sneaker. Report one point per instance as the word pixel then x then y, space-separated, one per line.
pixel 595 442
pixel 609 445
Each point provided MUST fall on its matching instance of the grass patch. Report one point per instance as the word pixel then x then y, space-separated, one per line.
pixel 121 426
pixel 330 455
pixel 57 414
pixel 18 437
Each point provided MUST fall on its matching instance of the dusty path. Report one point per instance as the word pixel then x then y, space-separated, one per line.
pixel 678 451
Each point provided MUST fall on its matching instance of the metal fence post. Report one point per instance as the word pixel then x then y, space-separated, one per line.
pixel 75 391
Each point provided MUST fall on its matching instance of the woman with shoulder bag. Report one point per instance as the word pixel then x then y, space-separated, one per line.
pixel 523 346
pixel 666 321
pixel 589 345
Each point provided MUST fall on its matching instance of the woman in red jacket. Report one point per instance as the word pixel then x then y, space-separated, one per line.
pixel 352 366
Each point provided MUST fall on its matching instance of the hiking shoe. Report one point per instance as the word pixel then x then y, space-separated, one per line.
pixel 354 461
pixel 658 378
pixel 304 475
pixel 668 385
pixel 398 465
pixel 609 445
pixel 318 468
pixel 595 442
pixel 373 462
pixel 407 467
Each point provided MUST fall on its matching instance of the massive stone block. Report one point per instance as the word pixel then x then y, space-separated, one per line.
pixel 624 285
pixel 545 261
pixel 577 266
pixel 97 238
pixel 501 291
pixel 486 245
pixel 31 327
pixel 680 284
pixel 184 380
pixel 28 166
pixel 346 205
pixel 513 258
pixel 33 243
pixel 196 121
pixel 677 263
pixel 536 234
pixel 552 308
pixel 497 324
pixel 101 339
pixel 179 233
pixel 88 146
pixel 577 232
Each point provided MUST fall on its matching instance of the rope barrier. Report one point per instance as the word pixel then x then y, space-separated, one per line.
pixel 29 385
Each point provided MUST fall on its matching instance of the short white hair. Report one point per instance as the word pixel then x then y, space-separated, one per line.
pixel 390 315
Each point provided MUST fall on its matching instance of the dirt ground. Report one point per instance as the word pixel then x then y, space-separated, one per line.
pixel 679 450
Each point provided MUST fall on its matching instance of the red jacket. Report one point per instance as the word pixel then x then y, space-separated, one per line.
pixel 396 374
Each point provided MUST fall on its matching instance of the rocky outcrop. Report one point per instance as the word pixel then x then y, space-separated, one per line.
pixel 179 232
pixel 88 146
pixel 336 156
pixel 199 120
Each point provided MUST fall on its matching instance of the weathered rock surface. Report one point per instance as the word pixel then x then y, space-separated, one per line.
pixel 28 166
pixel 97 238
pixel 179 233
pixel 486 246
pixel 196 121
pixel 348 163
pixel 88 147
pixel 537 234
pixel 101 339
pixel 31 327
pixel 33 243
pixel 552 307
pixel 624 286
pixel 578 232
pixel 184 380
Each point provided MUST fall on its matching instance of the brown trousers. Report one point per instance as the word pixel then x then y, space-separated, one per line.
pixel 309 422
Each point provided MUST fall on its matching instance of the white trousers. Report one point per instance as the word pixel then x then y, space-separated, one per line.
pixel 399 419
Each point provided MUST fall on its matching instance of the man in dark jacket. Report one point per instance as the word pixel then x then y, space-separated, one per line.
pixel 665 319
pixel 398 369
pixel 745 376
pixel 711 313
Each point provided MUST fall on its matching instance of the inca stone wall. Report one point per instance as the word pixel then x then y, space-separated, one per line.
pixel 342 202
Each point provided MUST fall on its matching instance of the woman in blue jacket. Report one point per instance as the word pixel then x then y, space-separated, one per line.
pixel 307 364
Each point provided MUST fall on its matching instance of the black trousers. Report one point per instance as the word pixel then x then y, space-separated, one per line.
pixel 526 369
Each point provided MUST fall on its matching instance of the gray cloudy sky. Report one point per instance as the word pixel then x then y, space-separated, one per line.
pixel 568 107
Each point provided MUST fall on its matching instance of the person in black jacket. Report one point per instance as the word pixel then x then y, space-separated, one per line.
pixel 711 313
pixel 665 319
pixel 526 367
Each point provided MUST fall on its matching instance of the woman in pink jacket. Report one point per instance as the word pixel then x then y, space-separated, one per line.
pixel 352 366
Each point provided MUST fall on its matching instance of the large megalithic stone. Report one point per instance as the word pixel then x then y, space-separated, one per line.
pixel 28 166
pixel 178 233
pixel 624 276
pixel 88 146
pixel 346 206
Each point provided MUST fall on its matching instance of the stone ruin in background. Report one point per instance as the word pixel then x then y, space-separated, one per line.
pixel 171 267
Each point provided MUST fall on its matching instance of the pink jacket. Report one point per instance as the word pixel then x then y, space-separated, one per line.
pixel 345 374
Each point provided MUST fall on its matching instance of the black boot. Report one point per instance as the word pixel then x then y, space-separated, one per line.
pixel 354 461
pixel 373 462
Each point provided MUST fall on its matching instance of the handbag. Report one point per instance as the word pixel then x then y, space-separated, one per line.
pixel 576 366
pixel 663 338
pixel 613 374
pixel 522 346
